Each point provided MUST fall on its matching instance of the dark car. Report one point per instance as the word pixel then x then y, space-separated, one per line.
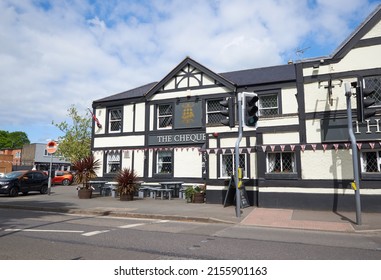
pixel 24 181
pixel 63 177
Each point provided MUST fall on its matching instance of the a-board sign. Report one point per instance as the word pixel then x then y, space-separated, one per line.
pixel 244 197
pixel 243 194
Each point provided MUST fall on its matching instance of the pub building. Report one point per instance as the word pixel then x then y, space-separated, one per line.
pixel 298 156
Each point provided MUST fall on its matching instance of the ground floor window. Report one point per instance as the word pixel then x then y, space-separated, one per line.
pixel 164 162
pixel 228 164
pixel 371 161
pixel 113 162
pixel 281 163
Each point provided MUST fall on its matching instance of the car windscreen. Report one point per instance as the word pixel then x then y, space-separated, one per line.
pixel 13 174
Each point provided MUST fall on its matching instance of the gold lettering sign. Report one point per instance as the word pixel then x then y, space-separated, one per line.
pixel 188 114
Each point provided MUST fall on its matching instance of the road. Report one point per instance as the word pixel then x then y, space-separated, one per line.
pixel 33 235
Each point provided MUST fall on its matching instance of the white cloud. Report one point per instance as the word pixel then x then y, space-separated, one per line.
pixel 59 53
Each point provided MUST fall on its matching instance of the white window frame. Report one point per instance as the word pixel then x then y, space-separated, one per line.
pixel 260 96
pixel 112 157
pixel 211 112
pixel 163 116
pixel 111 121
pixel 160 162
pixel 281 171
pixel 223 167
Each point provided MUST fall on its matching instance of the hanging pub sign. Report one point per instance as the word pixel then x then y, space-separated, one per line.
pixel 188 115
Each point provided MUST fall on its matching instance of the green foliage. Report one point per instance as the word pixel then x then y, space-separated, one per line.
pixel 76 143
pixel 13 140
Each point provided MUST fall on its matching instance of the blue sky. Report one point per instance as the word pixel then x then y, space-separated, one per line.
pixel 57 53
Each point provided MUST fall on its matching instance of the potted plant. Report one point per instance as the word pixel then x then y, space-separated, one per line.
pixel 199 195
pixel 85 170
pixel 195 194
pixel 189 192
pixel 127 183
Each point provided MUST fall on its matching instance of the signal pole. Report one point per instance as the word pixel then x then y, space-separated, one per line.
pixel 352 137
pixel 236 179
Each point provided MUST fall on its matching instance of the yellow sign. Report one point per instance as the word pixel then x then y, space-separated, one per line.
pixel 188 115
pixel 353 185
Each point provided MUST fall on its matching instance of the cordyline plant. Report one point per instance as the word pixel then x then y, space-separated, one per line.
pixel 85 170
pixel 127 181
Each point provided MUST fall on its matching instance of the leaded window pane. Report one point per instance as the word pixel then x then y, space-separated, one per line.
pixel 374 83
pixel 213 108
pixel 370 162
pixel 287 162
pixel 113 162
pixel 165 113
pixel 280 162
pixel 115 116
pixel 268 105
pixel 228 164
pixel 164 162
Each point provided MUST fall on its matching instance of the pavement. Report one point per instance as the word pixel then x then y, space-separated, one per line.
pixel 64 199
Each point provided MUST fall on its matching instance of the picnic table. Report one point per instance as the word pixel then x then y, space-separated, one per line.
pixel 175 186
pixel 155 190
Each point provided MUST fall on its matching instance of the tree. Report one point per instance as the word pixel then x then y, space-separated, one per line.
pixel 76 143
pixel 13 140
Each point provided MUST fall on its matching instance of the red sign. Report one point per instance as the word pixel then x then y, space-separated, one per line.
pixel 51 147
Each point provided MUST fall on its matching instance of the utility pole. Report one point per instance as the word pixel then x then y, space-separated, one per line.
pixel 356 172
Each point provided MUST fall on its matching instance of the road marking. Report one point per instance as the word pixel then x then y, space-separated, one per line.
pixel 131 225
pixel 91 233
pixel 43 230
pixel 142 224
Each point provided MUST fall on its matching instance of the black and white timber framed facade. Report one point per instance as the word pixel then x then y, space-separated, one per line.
pixel 299 155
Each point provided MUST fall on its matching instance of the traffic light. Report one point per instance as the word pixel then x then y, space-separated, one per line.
pixel 228 112
pixel 250 109
pixel 363 102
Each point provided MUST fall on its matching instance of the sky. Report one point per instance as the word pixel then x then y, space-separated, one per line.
pixel 58 53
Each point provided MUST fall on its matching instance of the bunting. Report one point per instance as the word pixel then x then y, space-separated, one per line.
pixel 264 148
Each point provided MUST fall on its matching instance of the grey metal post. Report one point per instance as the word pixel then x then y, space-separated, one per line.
pixel 352 137
pixel 237 193
pixel 50 174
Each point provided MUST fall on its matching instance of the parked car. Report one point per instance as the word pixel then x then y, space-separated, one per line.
pixel 63 177
pixel 24 181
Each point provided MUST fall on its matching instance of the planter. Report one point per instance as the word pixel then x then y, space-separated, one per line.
pixel 198 198
pixel 127 197
pixel 85 193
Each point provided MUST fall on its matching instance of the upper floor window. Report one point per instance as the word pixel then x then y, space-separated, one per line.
pixel 268 104
pixel 164 116
pixel 374 82
pixel 213 108
pixel 115 120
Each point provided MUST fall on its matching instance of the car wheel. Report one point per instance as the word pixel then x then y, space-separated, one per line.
pixel 25 193
pixel 66 182
pixel 44 190
pixel 13 192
